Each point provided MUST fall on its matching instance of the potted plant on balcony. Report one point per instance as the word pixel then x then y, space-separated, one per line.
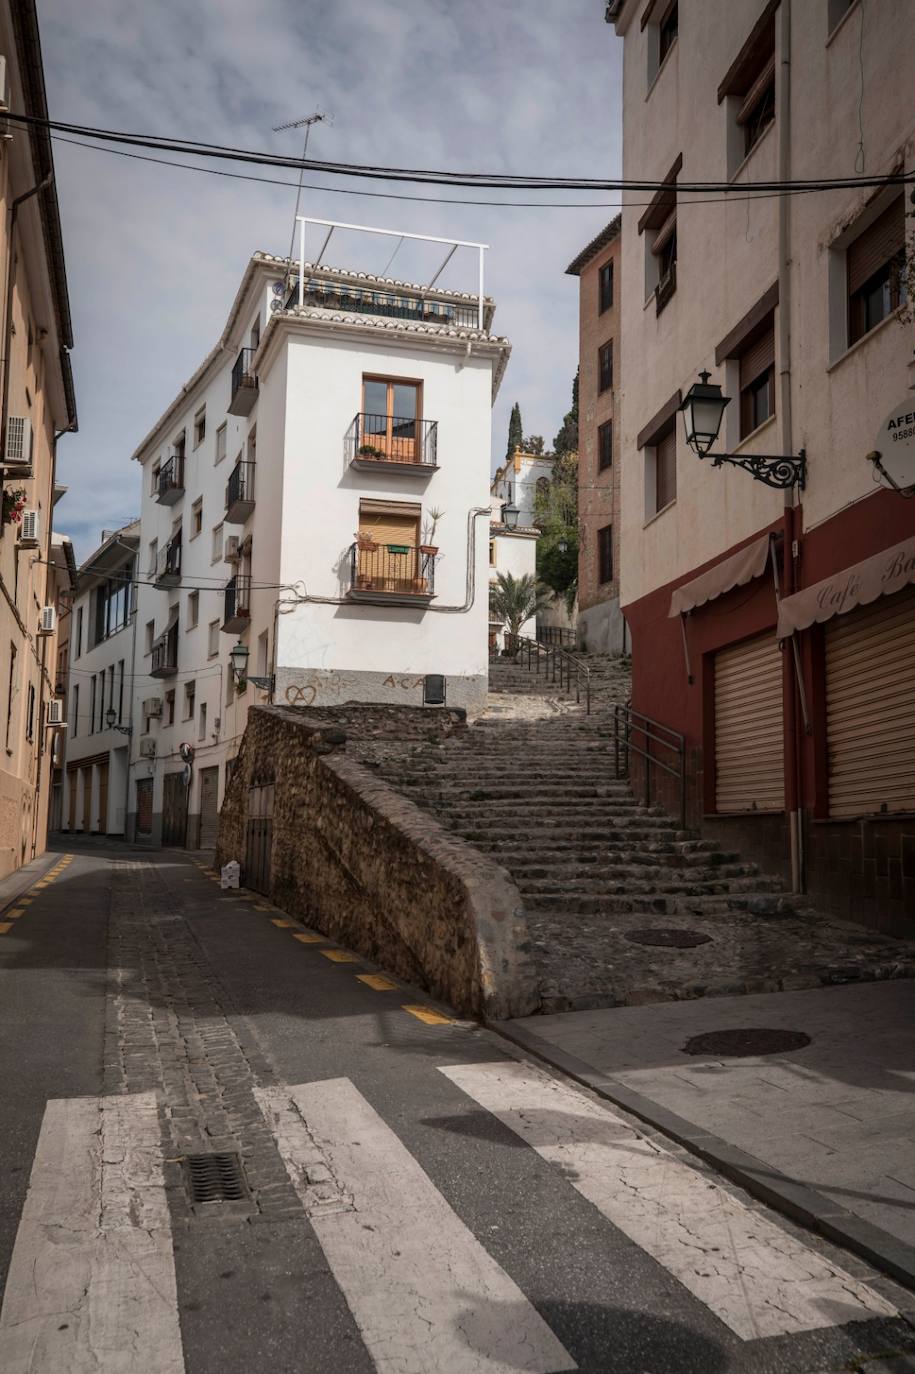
pixel 13 505
pixel 430 548
pixel 365 542
pixel 370 451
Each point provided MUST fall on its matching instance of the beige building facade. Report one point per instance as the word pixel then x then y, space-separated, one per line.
pixel 796 304
pixel 601 627
pixel 37 406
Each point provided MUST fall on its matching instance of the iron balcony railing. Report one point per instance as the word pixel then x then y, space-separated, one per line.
pixel 240 486
pixel 169 569
pixel 244 383
pixel 237 599
pixel 555 634
pixel 171 480
pixel 657 745
pixel 554 663
pixel 326 295
pixel 391 569
pixel 395 439
pixel 165 653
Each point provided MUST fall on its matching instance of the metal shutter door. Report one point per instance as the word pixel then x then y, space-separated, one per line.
pixel 870 709
pixel 749 749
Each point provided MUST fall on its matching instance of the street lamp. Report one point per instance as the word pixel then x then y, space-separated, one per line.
pixel 238 657
pixel 510 513
pixel 111 716
pixel 702 408
pixel 562 545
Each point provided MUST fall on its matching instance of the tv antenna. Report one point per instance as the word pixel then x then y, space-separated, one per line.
pixel 317 118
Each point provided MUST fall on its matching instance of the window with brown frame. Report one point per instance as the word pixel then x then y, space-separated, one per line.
pixel 757 379
pixel 605 286
pixel 391 411
pixel 605 554
pixel 605 366
pixel 876 271
pixel 604 446
pixel 750 85
pixel 659 225
pixel 668 29
pixel 665 469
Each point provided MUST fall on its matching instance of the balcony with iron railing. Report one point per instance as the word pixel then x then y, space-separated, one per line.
pixel 240 492
pixel 388 573
pixel 168 570
pixel 398 305
pixel 393 443
pixel 165 654
pixel 244 384
pixel 237 607
pixel 170 486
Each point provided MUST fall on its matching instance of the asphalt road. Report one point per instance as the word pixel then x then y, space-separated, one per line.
pixel 412 1195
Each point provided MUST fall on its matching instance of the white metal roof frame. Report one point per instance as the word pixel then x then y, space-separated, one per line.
pixel 452 244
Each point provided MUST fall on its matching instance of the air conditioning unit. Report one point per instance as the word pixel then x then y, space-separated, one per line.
pixel 147 747
pixel 18 455
pixel 232 551
pixel 48 622
pixel 152 707
pixel 28 529
pixel 55 712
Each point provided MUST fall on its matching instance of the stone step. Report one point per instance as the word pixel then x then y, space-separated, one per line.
pixel 570 872
pixel 479 790
pixel 575 893
pixel 571 905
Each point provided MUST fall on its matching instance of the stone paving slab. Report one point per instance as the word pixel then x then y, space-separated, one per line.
pixel 837 1116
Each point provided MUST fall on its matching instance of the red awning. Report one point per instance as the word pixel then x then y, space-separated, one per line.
pixel 740 568
pixel 859 585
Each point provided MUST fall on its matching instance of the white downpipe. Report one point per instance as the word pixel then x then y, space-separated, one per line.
pixel 301 263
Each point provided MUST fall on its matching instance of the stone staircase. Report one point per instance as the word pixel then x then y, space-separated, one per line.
pixel 622 906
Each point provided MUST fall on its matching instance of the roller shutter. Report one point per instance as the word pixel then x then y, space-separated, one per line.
pixel 749 750
pixel 870 708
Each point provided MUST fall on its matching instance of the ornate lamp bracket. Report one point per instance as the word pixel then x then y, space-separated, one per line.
pixel 775 470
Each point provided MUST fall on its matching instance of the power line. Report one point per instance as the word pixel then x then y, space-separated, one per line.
pixel 427 176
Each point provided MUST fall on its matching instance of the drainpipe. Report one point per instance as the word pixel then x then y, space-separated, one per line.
pixel 794 775
pixel 8 323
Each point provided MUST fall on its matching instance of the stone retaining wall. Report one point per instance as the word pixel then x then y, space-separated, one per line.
pixel 362 864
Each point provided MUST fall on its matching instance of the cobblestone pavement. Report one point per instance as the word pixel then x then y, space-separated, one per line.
pixel 419 1199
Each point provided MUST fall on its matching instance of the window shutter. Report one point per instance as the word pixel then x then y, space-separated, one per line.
pixel 666 469
pixel 749 766
pixel 665 233
pixel 757 356
pixel 876 246
pixel 766 76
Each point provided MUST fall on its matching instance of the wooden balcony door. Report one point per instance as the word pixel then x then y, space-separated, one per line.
pixel 391 419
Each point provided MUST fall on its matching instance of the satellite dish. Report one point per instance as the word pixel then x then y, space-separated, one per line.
pixel 894 454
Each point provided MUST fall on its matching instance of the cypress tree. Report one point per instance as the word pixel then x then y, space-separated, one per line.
pixel 515 432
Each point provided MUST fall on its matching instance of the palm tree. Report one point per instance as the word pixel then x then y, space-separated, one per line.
pixel 513 600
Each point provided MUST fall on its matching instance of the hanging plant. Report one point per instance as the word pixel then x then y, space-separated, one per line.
pixel 13 505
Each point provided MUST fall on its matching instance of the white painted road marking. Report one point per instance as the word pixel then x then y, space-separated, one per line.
pixel 425 1294
pixel 752 1275
pixel 91 1285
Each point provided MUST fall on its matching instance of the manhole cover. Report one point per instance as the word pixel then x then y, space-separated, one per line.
pixel 215 1178
pixel 668 935
pixel 746 1042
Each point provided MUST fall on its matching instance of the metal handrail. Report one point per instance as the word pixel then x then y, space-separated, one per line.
pixel 558 665
pixel 242 372
pixel 626 723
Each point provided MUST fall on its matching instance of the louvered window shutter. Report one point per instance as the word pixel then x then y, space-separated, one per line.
pixel 757 357
pixel 877 246
pixel 749 748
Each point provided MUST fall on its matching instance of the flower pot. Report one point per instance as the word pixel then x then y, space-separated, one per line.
pixel 366 546
pixel 430 549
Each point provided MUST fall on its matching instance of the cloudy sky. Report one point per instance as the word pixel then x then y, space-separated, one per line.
pixel 154 254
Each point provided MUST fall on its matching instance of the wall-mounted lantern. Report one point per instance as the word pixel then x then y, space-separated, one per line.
pixel 702 408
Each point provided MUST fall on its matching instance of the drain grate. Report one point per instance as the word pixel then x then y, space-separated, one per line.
pixel 215 1178
pixel 671 936
pixel 754 1041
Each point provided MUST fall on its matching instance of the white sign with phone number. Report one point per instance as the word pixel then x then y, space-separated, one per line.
pixel 896 444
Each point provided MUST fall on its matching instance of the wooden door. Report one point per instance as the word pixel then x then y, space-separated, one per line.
pixel 259 837
pixel 103 798
pixel 209 815
pixel 86 774
pixel 174 809
pixel 144 806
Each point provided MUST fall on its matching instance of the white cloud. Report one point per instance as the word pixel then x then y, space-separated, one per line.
pixel 154 255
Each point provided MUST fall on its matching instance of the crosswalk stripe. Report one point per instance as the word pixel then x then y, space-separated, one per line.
pixel 91 1284
pixel 756 1278
pixel 426 1296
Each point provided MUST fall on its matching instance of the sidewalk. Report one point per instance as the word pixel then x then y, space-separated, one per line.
pixel 825 1132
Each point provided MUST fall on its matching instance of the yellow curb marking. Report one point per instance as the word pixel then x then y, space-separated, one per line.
pixel 340 956
pixel 5 926
pixel 259 906
pixel 309 939
pixel 17 911
pixel 285 925
pixel 431 1018
pixel 377 981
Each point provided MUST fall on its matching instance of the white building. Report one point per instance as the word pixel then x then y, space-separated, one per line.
pixel 315 493
pixel 518 480
pixel 99 672
pixel 512 550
